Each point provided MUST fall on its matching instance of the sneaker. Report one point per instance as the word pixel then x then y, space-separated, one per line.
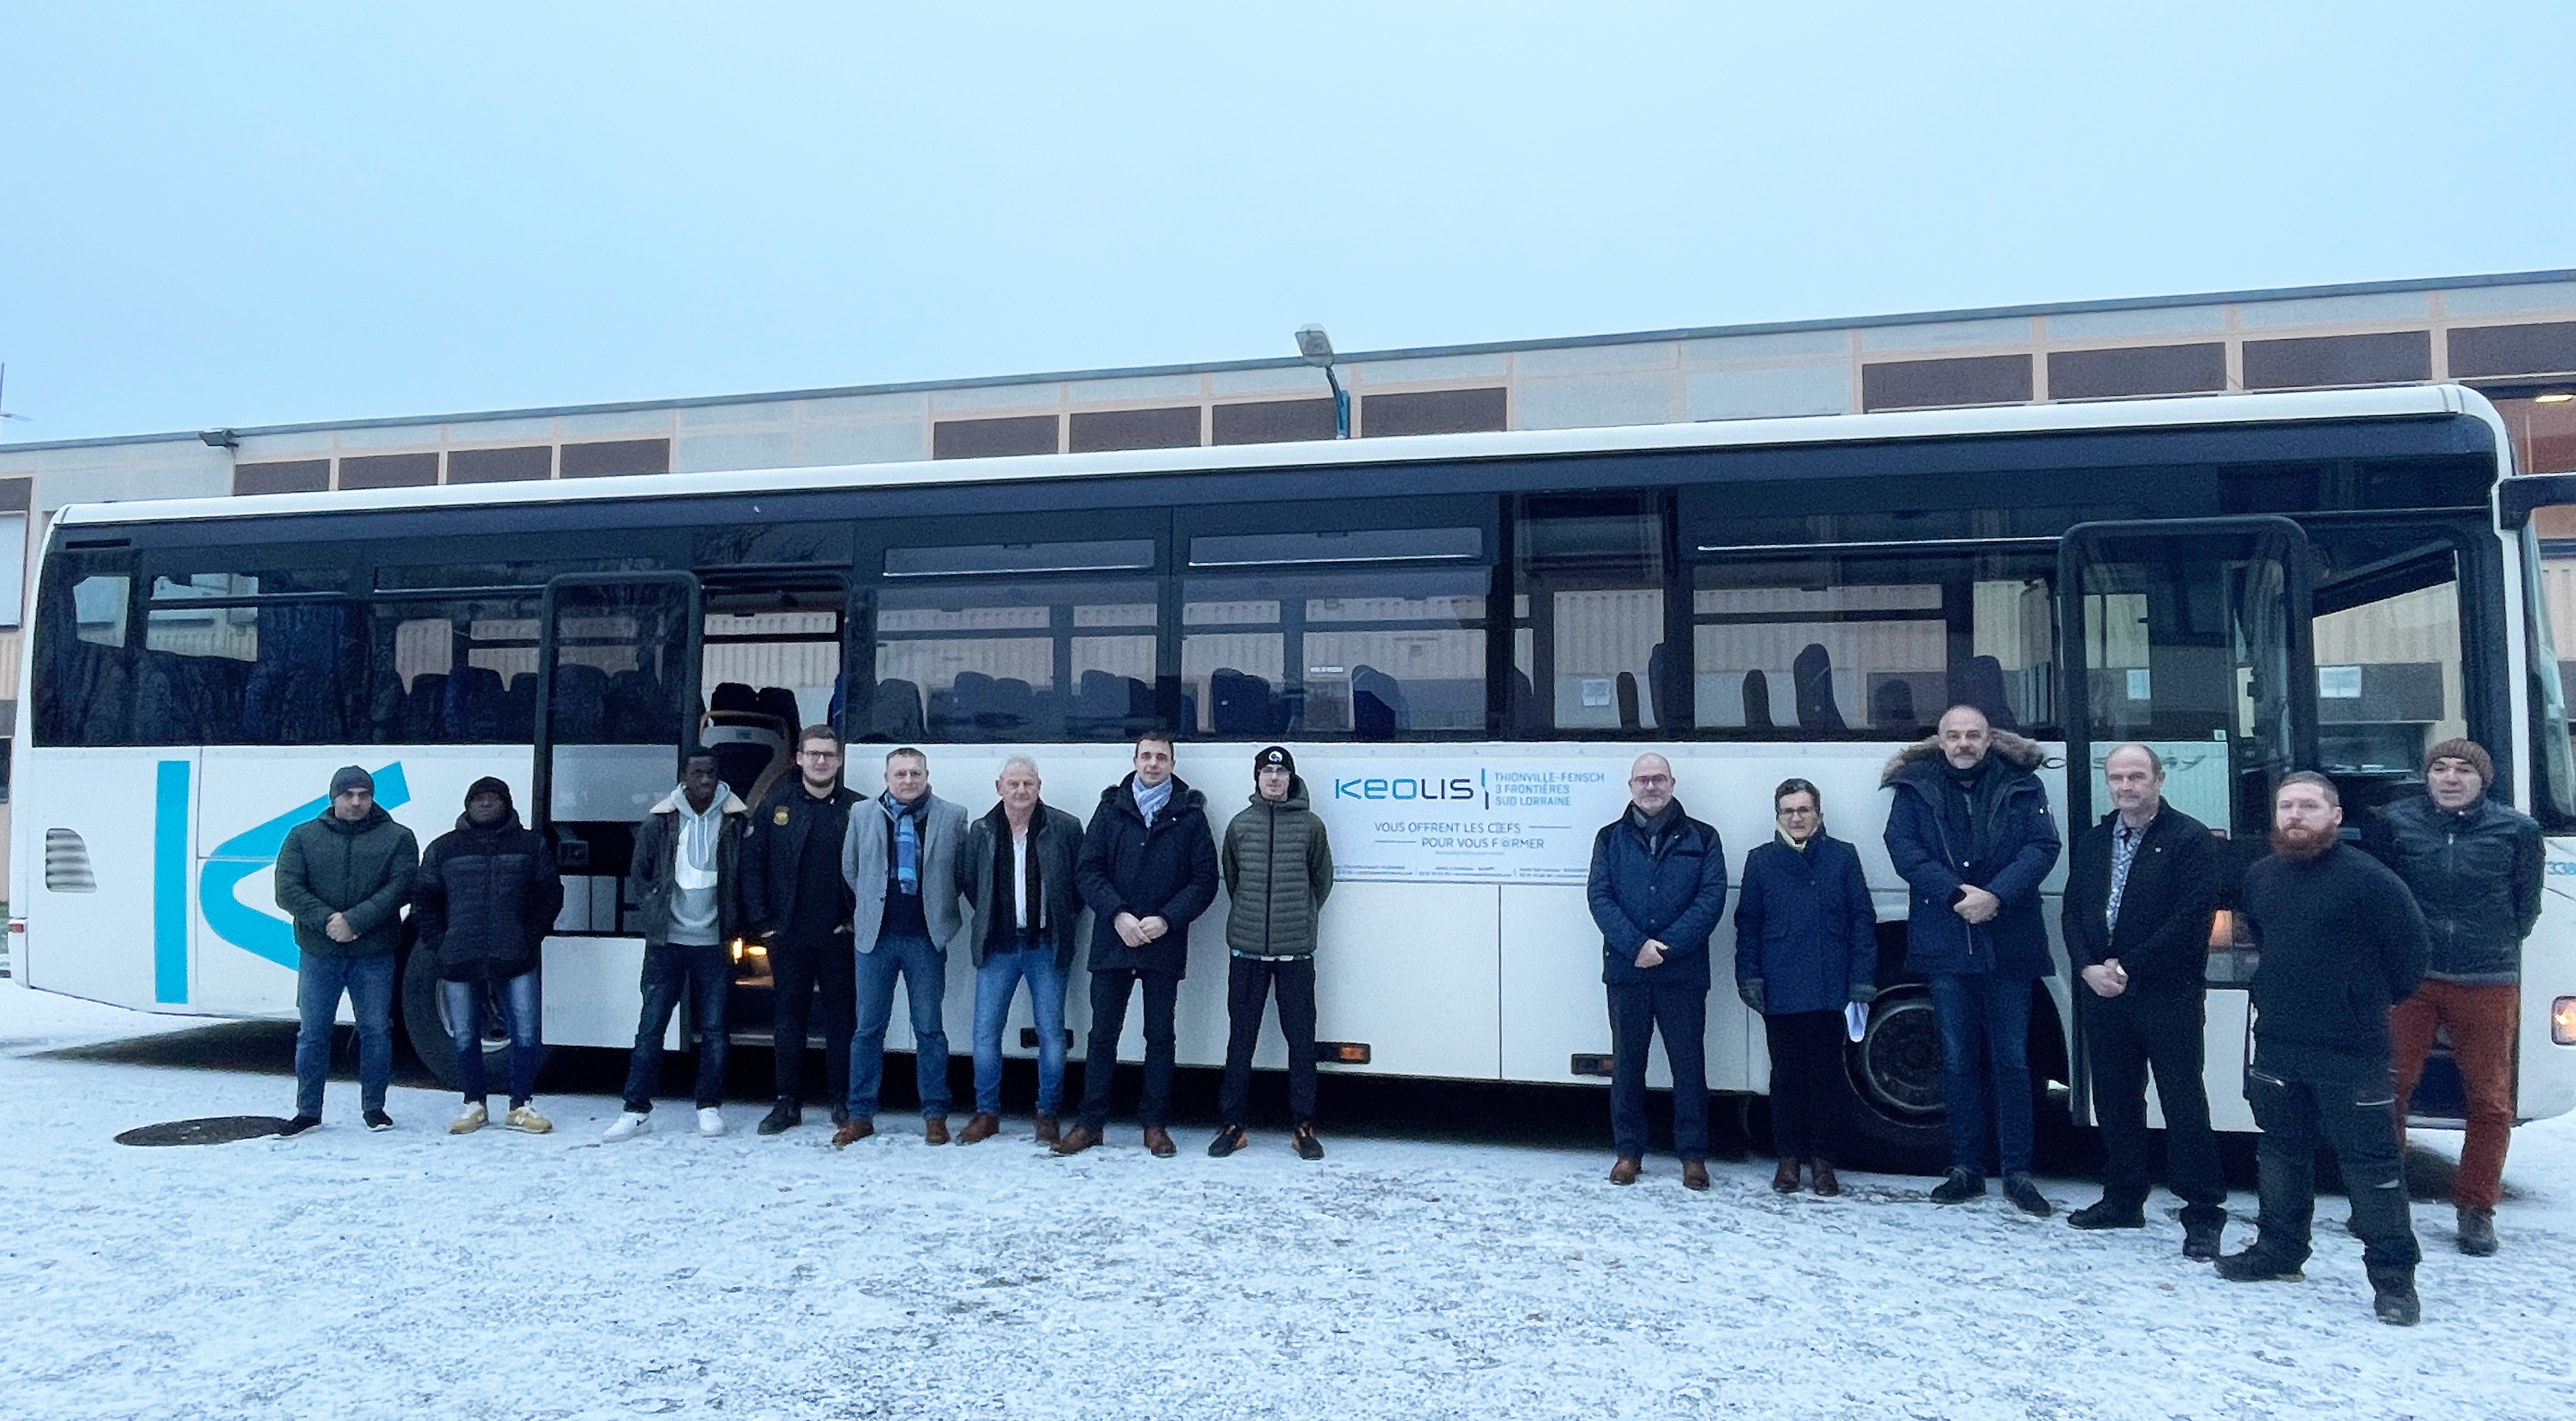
pixel 377 1121
pixel 2107 1215
pixel 1960 1187
pixel 1305 1143
pixel 2200 1241
pixel 711 1121
pixel 1227 1141
pixel 299 1125
pixel 527 1121
pixel 2255 1265
pixel 2024 1193
pixel 628 1125
pixel 472 1118
pixel 2477 1232
pixel 784 1116
pixel 2392 1296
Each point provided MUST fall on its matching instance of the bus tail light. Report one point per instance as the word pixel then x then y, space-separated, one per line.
pixel 2562 1021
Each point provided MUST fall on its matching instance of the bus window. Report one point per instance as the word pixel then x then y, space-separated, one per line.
pixel 1370 655
pixel 453 672
pixel 84 686
pixel 1588 636
pixel 1016 660
pixel 2549 602
pixel 2387 644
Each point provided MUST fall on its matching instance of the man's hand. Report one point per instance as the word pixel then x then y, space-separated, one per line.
pixel 1130 930
pixel 2106 979
pixel 337 928
pixel 1750 991
pixel 1977 905
pixel 1154 928
pixel 1650 954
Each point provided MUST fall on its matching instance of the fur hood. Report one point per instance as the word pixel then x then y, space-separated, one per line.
pixel 2019 751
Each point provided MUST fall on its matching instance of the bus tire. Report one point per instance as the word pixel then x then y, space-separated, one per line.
pixel 424 1017
pixel 1893 1105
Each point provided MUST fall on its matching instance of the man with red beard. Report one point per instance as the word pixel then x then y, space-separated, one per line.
pixel 2341 941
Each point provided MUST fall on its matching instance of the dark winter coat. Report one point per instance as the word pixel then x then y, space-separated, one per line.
pixel 1167 871
pixel 1805 936
pixel 1930 841
pixel 1673 891
pixel 656 864
pixel 1278 870
pixel 1055 839
pixel 485 898
pixel 2342 942
pixel 773 855
pixel 2476 874
pixel 2166 905
pixel 362 871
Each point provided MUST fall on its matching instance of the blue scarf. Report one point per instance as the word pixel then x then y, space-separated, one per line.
pixel 1150 802
pixel 907 842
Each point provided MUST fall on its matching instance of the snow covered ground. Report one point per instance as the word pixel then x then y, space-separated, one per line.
pixel 345 1274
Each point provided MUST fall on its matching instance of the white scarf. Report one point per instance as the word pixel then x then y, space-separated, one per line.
pixel 695 866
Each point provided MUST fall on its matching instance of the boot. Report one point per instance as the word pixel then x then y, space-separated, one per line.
pixel 2254 1265
pixel 1158 1142
pixel 1784 1180
pixel 1821 1173
pixel 2477 1232
pixel 784 1116
pixel 1695 1175
pixel 855 1129
pixel 934 1130
pixel 1049 1131
pixel 1958 1187
pixel 2393 1296
pixel 1624 1169
pixel 980 1127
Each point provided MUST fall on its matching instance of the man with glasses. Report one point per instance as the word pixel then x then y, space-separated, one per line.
pixel 1658 887
pixel 798 909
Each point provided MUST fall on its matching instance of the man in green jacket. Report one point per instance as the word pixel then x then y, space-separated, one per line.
pixel 343 877
pixel 1278 869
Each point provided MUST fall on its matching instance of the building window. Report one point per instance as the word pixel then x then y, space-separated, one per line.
pixel 1271 421
pixel 282 476
pixel 2141 370
pixel 1433 412
pixel 1924 384
pixel 499 466
pixel 611 457
pixel 2547 348
pixel 388 470
pixel 1173 428
pixel 994 438
pixel 2393 358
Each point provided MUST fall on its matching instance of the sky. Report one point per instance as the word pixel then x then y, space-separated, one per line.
pixel 254 214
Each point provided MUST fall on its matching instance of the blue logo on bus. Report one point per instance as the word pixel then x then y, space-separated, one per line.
pixel 248 852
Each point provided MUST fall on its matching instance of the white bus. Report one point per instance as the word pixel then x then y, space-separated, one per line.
pixel 1464 638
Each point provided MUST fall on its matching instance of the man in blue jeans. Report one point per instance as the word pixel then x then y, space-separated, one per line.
pixel 684 879
pixel 1971 835
pixel 1017 876
pixel 900 860
pixel 343 877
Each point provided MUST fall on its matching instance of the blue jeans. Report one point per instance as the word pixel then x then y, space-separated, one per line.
pixel 924 969
pixel 995 981
pixel 319 981
pixel 518 998
pixel 705 974
pixel 1985 1041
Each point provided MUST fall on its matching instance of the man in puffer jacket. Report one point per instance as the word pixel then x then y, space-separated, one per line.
pixel 486 893
pixel 342 878
pixel 1971 835
pixel 1278 869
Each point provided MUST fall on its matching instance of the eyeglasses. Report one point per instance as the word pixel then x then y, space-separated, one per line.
pixel 1649 781
pixel 818 754
pixel 1795 812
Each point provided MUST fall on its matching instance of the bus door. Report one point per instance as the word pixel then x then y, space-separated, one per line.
pixel 618 707
pixel 2191 636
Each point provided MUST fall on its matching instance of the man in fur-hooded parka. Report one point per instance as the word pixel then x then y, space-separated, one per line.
pixel 1983 826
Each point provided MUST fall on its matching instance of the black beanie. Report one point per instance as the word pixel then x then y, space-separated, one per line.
pixel 491 784
pixel 349 777
pixel 1274 755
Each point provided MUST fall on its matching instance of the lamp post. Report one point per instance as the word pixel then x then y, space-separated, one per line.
pixel 1317 348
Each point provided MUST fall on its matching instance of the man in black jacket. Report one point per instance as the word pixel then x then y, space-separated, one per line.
pixel 2342 941
pixel 1148 870
pixel 485 896
pixel 795 904
pixel 2140 893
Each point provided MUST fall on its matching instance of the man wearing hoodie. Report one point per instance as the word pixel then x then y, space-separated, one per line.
pixel 900 862
pixel 1278 869
pixel 1017 876
pixel 1148 870
pixel 684 881
pixel 342 877
pixel 1971 835
pixel 485 896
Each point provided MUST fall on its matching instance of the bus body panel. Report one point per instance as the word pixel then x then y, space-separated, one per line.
pixel 2545 1083
pixel 94 827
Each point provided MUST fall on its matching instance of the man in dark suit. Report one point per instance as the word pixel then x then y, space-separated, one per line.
pixel 2140 893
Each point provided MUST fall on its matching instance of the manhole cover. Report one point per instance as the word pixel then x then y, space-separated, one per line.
pixel 218 1130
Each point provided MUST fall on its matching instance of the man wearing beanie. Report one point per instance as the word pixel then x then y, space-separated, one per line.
pixel 1278 869
pixel 342 877
pixel 484 898
pixel 2475 868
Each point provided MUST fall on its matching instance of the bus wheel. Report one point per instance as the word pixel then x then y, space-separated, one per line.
pixel 1895 1110
pixel 424 1014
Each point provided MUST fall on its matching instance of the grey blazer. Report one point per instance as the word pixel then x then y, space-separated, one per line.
pixel 863 867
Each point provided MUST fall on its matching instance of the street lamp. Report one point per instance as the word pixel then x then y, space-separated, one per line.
pixel 1317 348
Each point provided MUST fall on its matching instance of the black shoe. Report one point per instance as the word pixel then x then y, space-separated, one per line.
pixel 2024 1193
pixel 784 1116
pixel 1227 1141
pixel 1959 1188
pixel 2477 1232
pixel 377 1121
pixel 2392 1296
pixel 2200 1241
pixel 299 1125
pixel 1305 1143
pixel 2105 1215
pixel 2256 1266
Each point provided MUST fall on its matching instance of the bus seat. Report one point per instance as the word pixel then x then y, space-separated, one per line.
pixel 638 712
pixel 1757 701
pixel 1239 703
pixel 970 707
pixel 1979 681
pixel 779 703
pixel 1625 691
pixel 579 711
pixel 1891 707
pixel 1015 708
pixel 1666 691
pixel 1524 718
pixel 420 709
pixel 891 716
pixel 473 709
pixel 1102 704
pixel 1377 704
pixel 733 696
pixel 1812 675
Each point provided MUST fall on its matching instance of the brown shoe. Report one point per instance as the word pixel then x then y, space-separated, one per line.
pixel 1076 1140
pixel 852 1131
pixel 1825 1183
pixel 1694 1174
pixel 981 1127
pixel 1048 1130
pixel 1784 1180
pixel 934 1130
pixel 1158 1142
pixel 1623 1170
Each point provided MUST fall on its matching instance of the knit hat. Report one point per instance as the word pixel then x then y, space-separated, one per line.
pixel 2468 750
pixel 490 784
pixel 349 777
pixel 1274 755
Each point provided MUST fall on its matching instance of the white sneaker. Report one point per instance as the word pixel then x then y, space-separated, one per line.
pixel 468 1120
pixel 711 1121
pixel 628 1126
pixel 527 1121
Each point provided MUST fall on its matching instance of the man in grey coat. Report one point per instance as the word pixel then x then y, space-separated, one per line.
pixel 900 860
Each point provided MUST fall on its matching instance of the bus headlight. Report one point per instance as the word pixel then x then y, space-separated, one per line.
pixel 2562 1021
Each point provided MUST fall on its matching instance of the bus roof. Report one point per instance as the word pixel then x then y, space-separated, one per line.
pixel 2200 410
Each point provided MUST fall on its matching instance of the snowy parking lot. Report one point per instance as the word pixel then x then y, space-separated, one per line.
pixel 346 1274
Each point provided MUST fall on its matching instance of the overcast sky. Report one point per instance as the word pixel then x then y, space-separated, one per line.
pixel 250 214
